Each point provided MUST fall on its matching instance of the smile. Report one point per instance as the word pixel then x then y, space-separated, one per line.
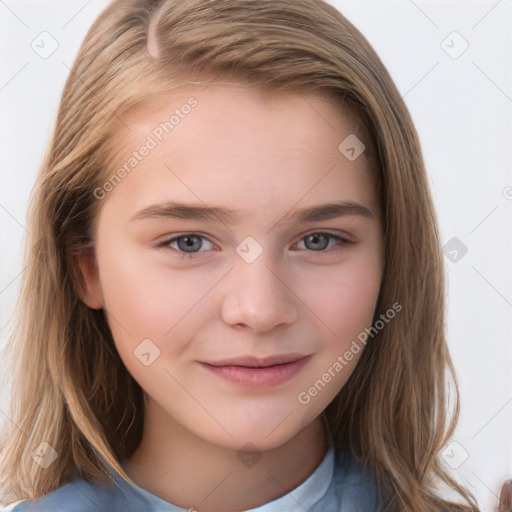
pixel 250 372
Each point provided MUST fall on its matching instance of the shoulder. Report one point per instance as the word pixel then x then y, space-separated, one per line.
pixel 82 496
pixel 75 496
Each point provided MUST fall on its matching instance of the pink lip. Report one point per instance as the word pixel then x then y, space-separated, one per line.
pixel 254 372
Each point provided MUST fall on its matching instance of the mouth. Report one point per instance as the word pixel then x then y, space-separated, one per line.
pixel 251 371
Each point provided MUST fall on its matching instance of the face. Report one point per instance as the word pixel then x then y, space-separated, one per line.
pixel 233 292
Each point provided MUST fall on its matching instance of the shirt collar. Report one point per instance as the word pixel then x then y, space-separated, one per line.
pixel 306 494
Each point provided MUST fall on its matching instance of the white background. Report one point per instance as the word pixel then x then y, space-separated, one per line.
pixel 462 108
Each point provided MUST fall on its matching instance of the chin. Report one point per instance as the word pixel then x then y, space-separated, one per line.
pixel 258 436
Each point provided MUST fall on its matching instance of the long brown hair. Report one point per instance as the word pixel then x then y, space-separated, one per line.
pixel 72 390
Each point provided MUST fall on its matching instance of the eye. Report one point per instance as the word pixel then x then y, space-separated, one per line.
pixel 319 241
pixel 187 244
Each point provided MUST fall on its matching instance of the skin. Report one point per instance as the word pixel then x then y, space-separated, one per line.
pixel 267 154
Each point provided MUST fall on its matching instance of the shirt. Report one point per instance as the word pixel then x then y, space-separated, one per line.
pixel 338 484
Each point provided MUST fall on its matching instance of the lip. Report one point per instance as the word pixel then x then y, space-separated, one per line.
pixel 255 372
pixel 258 362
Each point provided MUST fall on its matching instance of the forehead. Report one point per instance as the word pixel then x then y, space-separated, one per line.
pixel 238 134
pixel 296 111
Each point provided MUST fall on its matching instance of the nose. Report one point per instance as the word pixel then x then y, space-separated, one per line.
pixel 257 296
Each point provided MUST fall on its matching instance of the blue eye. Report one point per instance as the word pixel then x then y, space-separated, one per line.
pixel 188 244
pixel 321 239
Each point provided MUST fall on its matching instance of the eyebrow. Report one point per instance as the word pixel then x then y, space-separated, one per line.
pixel 321 212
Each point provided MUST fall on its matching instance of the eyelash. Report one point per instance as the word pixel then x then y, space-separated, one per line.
pixel 184 255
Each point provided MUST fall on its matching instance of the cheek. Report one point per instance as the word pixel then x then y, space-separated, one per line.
pixel 146 297
pixel 145 300
pixel 344 300
pixel 343 297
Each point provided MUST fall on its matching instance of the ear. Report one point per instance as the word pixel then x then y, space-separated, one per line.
pixel 90 286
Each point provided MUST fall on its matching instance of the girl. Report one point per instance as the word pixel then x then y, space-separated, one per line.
pixel 234 288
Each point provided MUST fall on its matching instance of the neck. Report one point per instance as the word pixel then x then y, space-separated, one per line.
pixel 191 473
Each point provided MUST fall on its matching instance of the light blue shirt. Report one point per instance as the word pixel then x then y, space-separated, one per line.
pixel 338 484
